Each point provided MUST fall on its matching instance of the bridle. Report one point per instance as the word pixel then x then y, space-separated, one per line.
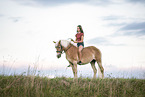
pixel 62 51
pixel 59 47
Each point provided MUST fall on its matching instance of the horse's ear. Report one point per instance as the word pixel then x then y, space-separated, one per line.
pixel 59 42
pixel 54 42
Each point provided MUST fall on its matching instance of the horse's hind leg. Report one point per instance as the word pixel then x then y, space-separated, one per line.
pixel 101 70
pixel 74 69
pixel 94 68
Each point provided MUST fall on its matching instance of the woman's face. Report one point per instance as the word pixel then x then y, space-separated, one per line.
pixel 78 29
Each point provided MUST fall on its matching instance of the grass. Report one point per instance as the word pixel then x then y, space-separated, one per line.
pixel 36 86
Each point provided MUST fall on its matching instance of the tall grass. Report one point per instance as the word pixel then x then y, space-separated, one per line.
pixel 36 86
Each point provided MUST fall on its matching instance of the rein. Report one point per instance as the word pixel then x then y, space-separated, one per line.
pixel 68 48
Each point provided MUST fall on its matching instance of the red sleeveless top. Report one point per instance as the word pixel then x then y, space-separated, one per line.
pixel 79 35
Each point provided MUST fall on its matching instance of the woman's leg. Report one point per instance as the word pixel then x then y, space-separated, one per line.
pixel 80 54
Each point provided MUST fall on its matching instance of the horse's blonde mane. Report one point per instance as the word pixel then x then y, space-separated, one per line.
pixel 65 43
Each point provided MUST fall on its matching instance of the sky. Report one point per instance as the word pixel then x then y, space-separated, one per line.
pixel 29 27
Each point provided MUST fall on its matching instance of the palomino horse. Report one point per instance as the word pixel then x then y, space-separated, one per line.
pixel 89 55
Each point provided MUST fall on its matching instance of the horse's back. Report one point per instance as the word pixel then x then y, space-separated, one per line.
pixel 90 53
pixel 92 49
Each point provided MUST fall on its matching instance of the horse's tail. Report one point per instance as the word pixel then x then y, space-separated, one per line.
pixel 98 58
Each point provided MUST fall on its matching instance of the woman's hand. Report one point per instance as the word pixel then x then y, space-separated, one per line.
pixel 72 40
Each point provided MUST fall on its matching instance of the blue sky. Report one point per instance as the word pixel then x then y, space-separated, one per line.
pixel 28 27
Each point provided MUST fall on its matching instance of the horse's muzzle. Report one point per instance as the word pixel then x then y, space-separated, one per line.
pixel 59 55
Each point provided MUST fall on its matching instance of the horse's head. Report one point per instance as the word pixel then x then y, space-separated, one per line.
pixel 59 49
pixel 61 45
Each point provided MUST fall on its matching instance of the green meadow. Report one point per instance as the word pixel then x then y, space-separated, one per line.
pixel 36 86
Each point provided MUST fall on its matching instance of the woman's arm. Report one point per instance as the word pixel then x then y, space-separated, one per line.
pixel 75 40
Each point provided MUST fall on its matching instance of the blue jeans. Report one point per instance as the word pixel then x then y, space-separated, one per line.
pixel 82 43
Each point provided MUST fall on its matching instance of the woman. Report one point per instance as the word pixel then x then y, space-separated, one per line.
pixel 79 41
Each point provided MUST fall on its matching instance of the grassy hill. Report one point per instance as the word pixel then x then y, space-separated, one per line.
pixel 35 86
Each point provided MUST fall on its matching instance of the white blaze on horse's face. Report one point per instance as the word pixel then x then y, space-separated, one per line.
pixel 58 49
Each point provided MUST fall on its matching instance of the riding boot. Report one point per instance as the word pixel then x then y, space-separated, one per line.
pixel 80 63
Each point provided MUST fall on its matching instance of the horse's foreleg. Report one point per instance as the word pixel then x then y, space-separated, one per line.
pixel 94 68
pixel 70 64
